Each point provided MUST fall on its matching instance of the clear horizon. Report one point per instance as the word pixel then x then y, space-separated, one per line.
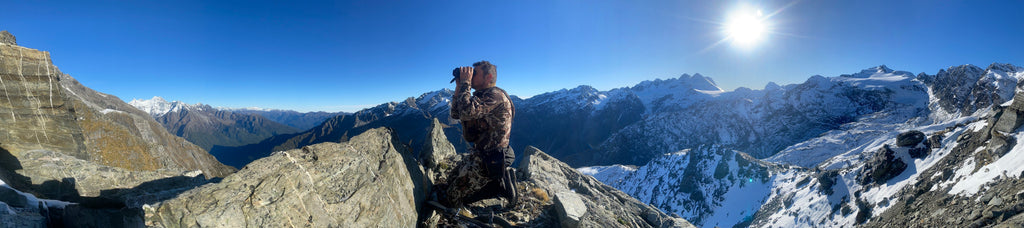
pixel 345 56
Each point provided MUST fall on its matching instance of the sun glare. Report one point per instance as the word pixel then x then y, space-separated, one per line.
pixel 745 27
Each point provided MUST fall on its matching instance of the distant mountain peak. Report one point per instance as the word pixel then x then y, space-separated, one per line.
pixel 685 81
pixel 772 86
pixel 158 106
pixel 883 68
pixel 866 73
pixel 1004 67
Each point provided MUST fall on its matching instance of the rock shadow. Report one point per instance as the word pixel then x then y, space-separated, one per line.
pixel 9 164
pixel 116 207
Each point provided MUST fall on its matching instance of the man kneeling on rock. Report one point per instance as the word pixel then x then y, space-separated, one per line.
pixel 486 117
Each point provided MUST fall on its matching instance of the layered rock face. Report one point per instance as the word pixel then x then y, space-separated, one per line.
pixel 44 111
pixel 36 113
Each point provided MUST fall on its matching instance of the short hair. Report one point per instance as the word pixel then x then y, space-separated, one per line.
pixel 487 67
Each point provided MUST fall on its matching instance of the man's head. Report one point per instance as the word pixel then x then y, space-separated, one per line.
pixel 485 75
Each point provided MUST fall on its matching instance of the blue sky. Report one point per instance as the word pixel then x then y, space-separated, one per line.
pixel 343 56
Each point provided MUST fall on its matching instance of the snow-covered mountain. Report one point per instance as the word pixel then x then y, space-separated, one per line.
pixel 208 127
pixel 708 185
pixel 158 107
pixel 864 171
pixel 633 125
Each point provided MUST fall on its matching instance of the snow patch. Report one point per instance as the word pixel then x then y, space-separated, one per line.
pixel 1007 166
pixel 610 175
pixel 106 111
pixel 32 200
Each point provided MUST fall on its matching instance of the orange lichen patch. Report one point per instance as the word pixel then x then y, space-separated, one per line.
pixel 540 194
pixel 113 145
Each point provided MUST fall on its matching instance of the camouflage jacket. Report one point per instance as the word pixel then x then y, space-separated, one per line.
pixel 486 116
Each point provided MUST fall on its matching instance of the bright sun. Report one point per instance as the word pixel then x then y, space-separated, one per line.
pixel 745 27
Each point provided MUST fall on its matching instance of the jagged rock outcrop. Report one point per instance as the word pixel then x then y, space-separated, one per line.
pixel 62 140
pixel 909 139
pixel 883 166
pixel 935 141
pixel 7 38
pixel 917 144
pixel 438 156
pixel 965 89
pixel 1007 120
pixel 606 206
pixel 370 181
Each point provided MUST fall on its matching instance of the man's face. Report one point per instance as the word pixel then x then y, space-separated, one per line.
pixel 479 80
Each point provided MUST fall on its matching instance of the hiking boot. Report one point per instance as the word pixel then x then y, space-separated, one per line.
pixel 508 185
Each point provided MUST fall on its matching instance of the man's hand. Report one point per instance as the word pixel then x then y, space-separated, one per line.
pixel 466 75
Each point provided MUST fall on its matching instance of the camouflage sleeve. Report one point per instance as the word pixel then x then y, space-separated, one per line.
pixel 467 107
pixel 461 90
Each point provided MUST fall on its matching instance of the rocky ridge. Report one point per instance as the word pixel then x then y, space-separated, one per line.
pixel 374 180
pixel 7 38
pixel 412 116
pixel 302 121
